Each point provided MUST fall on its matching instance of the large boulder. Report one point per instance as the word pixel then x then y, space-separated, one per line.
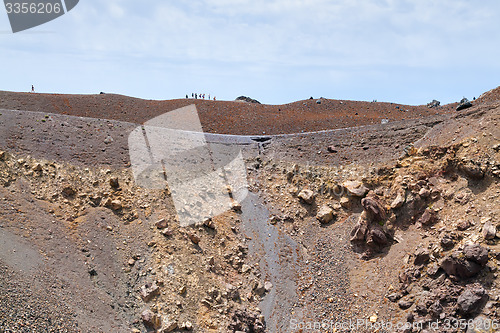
pixel 247 99
pixel 434 104
pixel 470 300
pixel 464 104
pixel 467 263
pixel 476 253
pixel 374 209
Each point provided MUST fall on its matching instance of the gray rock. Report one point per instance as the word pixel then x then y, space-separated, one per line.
pixel 422 257
pixel 428 217
pixel 447 242
pixel 476 253
pixel 464 104
pixel 247 99
pixel 394 297
pixel 405 303
pixel 434 104
pixel 463 266
pixel 470 300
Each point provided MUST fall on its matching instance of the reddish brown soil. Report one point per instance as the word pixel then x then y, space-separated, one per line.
pixel 227 117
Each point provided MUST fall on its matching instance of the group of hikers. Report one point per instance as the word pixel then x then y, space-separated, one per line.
pixel 200 96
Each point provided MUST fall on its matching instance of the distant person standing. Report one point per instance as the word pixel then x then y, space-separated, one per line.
pixel 32 88
pixel 214 98
pixel 187 96
pixel 195 96
pixel 208 96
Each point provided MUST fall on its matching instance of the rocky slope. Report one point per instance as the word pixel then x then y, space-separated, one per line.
pixel 392 225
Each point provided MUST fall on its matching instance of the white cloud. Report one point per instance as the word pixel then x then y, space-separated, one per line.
pixel 337 40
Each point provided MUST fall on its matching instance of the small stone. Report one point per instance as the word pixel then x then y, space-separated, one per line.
pixel 131 262
pixel 109 228
pixel 399 201
pixel 355 188
pixel 113 182
pixel 345 202
pixel 235 206
pixel 2 155
pixel 168 326
pixel 161 224
pixel 332 149
pixel 182 290
pixel 194 238
pixel 150 319
pixel 463 225
pixel 268 286
pixel 422 257
pixel 405 303
pixel 68 191
pixel 149 291
pixel 447 242
pixel 428 217
pixel 167 232
pixel 307 196
pixel 259 288
pixel 108 140
pixel 433 269
pixel 116 205
pixel 325 214
pixel 37 167
pixel 188 326
pixel 489 231
pixel 424 193
pixel 245 268
pixel 209 223
pixel 394 297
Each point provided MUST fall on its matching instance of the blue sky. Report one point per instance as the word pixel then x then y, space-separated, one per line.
pixel 404 51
